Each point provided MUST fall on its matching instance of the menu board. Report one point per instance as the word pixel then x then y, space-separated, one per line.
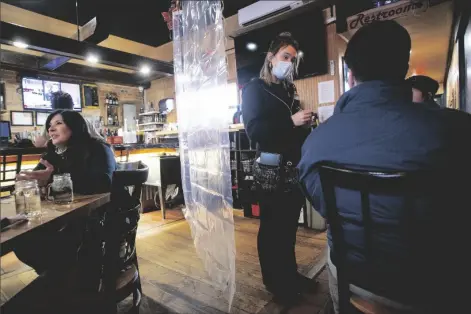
pixel 37 94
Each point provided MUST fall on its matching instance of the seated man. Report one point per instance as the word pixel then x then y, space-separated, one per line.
pixel 375 126
pixel 424 88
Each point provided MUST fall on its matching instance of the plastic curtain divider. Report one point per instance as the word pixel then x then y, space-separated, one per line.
pixel 202 104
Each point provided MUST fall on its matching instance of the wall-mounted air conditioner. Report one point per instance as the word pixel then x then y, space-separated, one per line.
pixel 263 10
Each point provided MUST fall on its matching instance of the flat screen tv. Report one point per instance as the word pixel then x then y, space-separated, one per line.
pixel 307 28
pixel 37 93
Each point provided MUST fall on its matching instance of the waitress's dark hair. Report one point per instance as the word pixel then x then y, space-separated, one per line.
pixel 282 40
pixel 61 100
pixel 77 125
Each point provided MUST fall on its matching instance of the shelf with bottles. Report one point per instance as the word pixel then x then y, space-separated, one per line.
pixel 112 116
pixel 111 99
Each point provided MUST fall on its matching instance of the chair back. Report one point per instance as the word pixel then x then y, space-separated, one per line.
pixel 407 186
pixel 131 174
pixel 10 167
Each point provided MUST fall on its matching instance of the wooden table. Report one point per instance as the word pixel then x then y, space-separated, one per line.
pixel 53 215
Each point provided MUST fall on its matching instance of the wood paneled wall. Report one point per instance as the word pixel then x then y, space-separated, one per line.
pixel 308 88
pixel 160 89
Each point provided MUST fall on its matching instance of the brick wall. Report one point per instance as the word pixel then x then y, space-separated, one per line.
pixel 14 99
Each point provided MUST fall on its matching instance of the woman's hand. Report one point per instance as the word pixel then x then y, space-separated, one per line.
pixel 41 175
pixel 302 117
pixel 40 141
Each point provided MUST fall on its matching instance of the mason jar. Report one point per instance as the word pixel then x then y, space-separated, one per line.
pixel 32 198
pixel 61 189
pixel 19 197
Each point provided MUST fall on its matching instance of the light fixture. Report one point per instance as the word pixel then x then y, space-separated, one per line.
pixel 20 44
pixel 300 54
pixel 145 70
pixel 92 58
pixel 251 46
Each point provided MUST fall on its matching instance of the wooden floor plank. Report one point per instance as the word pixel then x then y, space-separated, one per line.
pixel 174 276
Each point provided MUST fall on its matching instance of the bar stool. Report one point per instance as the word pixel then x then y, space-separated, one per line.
pixel 398 184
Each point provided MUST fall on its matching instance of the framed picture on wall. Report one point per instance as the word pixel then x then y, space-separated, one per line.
pixel 41 118
pixel 21 118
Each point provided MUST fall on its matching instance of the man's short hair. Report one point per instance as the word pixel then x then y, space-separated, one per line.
pixel 379 51
pixel 61 100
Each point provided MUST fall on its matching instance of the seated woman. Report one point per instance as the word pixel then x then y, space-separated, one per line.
pixel 71 149
pixel 90 162
pixel 61 100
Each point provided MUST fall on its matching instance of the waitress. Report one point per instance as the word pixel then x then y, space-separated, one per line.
pixel 274 120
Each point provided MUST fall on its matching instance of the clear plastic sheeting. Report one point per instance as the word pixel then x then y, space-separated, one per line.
pixel 200 83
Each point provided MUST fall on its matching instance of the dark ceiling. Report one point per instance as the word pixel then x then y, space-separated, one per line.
pixel 137 20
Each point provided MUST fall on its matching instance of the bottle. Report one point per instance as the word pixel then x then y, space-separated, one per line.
pixel 141 110
pixel 110 119
pixel 115 120
pixel 107 99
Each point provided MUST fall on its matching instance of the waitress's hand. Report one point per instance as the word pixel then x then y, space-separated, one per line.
pixel 41 175
pixel 302 117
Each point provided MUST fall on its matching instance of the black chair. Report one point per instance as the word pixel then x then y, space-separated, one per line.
pixel 120 269
pixel 8 176
pixel 399 184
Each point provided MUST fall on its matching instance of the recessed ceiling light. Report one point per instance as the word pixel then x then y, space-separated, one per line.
pixel 92 59
pixel 20 44
pixel 251 46
pixel 145 70
pixel 300 54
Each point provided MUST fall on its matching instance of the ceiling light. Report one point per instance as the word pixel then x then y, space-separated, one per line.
pixel 92 59
pixel 145 70
pixel 251 46
pixel 20 44
pixel 300 54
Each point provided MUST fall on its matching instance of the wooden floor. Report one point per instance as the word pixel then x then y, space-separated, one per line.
pixel 173 278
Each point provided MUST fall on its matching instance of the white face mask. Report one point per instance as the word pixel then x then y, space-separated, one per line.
pixel 282 69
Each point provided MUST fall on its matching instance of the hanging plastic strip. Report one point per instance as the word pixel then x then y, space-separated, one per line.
pixel 202 108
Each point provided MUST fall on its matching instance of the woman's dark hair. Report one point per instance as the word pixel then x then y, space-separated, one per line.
pixel 379 51
pixel 61 100
pixel 76 124
pixel 282 40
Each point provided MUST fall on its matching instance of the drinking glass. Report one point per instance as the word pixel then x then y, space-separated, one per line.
pixel 60 191
pixel 32 199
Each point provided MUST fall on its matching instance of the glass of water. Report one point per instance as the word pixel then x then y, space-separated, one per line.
pixel 32 199
pixel 60 191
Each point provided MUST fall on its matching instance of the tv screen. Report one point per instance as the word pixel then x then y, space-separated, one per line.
pixel 307 28
pixel 37 93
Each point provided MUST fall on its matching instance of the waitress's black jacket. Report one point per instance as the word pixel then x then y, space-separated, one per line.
pixel 268 120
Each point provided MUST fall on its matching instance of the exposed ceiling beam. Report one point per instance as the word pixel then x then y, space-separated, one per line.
pixel 94 32
pixel 66 47
pixel 75 61
pixel 29 19
pixel 28 65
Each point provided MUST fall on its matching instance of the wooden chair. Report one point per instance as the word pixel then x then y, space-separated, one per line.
pixel 335 176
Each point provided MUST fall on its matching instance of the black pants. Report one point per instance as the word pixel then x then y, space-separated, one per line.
pixel 279 215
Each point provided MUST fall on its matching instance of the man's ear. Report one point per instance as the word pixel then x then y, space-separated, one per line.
pixel 351 80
